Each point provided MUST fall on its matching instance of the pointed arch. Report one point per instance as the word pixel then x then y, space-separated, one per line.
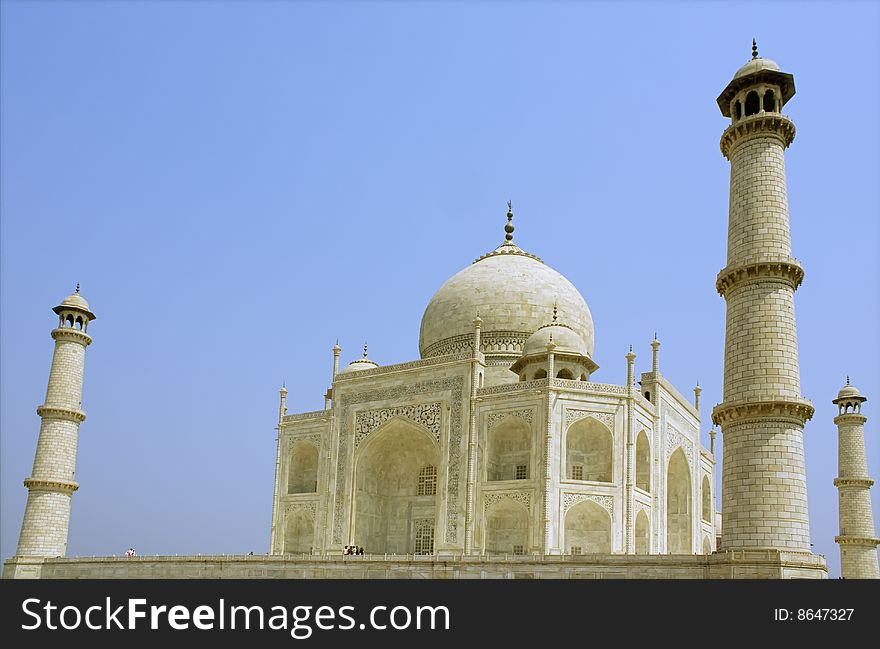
pixel 678 505
pixel 706 496
pixel 302 468
pixel 507 527
pixel 299 532
pixel 587 529
pixel 589 448
pixel 389 515
pixel 509 449
pixel 643 462
pixel 643 533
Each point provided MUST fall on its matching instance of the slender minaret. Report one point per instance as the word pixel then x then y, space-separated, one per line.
pixel 858 540
pixel 51 485
pixel 762 414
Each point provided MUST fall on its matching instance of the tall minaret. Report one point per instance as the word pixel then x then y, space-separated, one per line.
pixel 51 485
pixel 762 415
pixel 858 540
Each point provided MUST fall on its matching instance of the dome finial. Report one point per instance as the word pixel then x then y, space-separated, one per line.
pixel 754 48
pixel 555 308
pixel 365 349
pixel 508 229
pixel 847 379
pixel 77 288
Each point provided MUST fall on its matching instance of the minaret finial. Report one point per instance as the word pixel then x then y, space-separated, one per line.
pixel 630 347
pixel 754 48
pixel 77 288
pixel 365 349
pixel 508 229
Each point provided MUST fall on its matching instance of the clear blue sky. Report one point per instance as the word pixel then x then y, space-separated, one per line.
pixel 238 184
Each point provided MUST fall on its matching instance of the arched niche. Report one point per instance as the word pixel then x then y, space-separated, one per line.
pixel 589 451
pixel 678 505
pixel 507 527
pixel 391 472
pixel 706 496
pixel 643 462
pixel 642 533
pixel 302 468
pixel 508 450
pixel 587 529
pixel 299 532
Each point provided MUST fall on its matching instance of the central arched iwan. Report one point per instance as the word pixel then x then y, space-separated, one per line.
pixel 395 499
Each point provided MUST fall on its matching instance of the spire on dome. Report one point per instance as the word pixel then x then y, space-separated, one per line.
pixel 365 349
pixel 509 228
pixel 754 49
pixel 77 288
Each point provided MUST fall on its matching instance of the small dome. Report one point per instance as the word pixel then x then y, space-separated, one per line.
pixel 76 301
pixel 358 365
pixel 566 339
pixel 757 65
pixel 848 391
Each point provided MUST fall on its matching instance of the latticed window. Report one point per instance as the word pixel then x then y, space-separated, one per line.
pixel 428 483
pixel 577 472
pixel 424 540
pixel 522 471
pixel 576 549
pixel 518 549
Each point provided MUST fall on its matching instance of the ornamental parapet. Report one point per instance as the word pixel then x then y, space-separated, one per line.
pixel 38 484
pixel 788 270
pixel 72 335
pixel 772 124
pixel 561 384
pixel 785 410
pixel 866 483
pixel 864 541
pixel 401 367
pixel 57 412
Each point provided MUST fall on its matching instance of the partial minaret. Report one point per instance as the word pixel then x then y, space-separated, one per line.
pixel 51 485
pixel 762 414
pixel 697 392
pixel 858 540
pixel 655 356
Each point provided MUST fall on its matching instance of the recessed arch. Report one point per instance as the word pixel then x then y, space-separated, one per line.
pixel 509 449
pixel 507 527
pixel 540 374
pixel 389 514
pixel 643 533
pixel 707 545
pixel 587 529
pixel 565 374
pixel 299 532
pixel 706 496
pixel 589 445
pixel 678 505
pixel 302 468
pixel 643 462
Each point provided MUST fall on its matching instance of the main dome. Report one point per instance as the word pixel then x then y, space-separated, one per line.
pixel 513 292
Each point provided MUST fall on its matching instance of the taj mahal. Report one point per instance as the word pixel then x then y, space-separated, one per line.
pixel 501 453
